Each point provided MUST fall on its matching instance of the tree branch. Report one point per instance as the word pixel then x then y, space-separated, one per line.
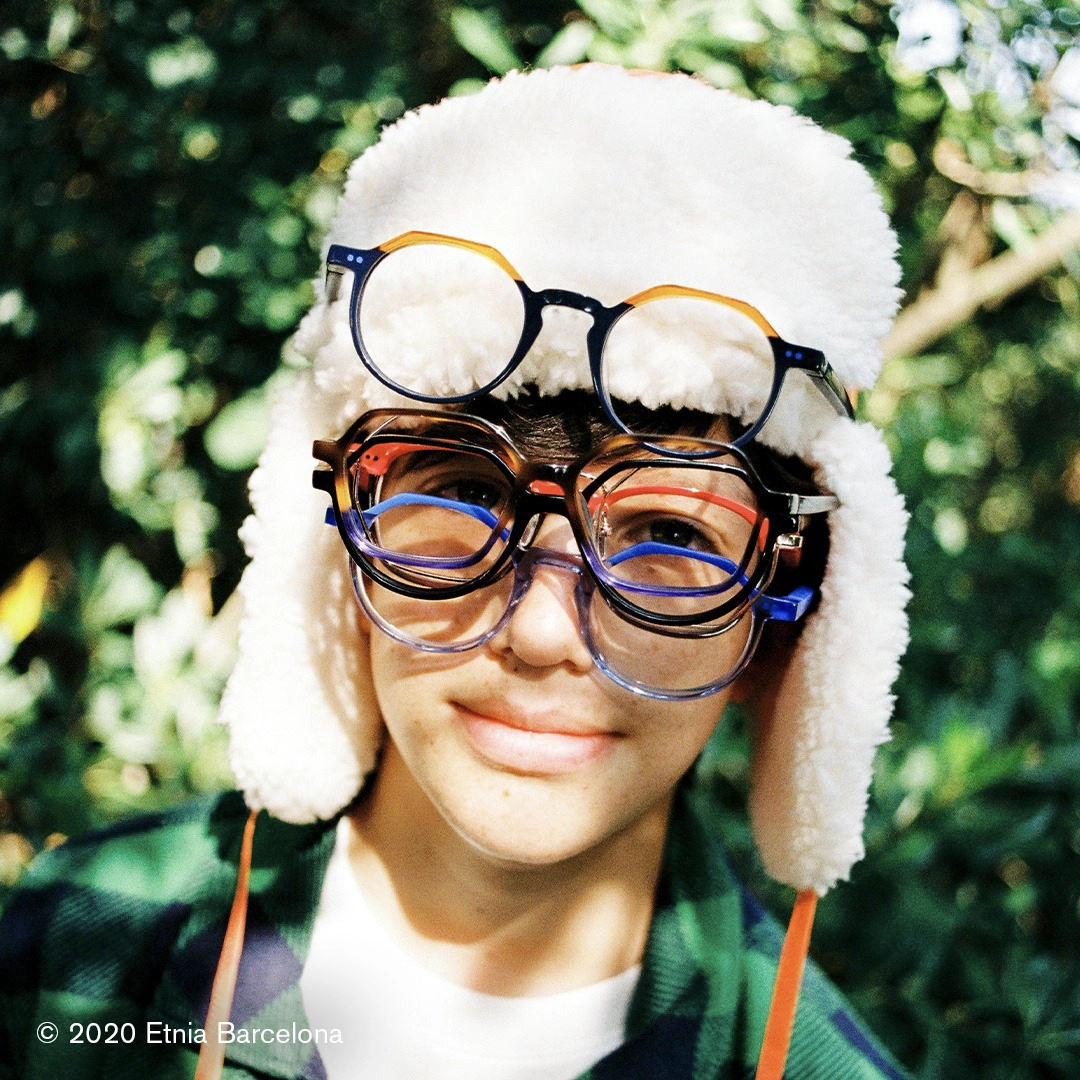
pixel 935 312
pixel 951 161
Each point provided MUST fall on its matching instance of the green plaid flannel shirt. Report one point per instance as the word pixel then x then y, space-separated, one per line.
pixel 122 929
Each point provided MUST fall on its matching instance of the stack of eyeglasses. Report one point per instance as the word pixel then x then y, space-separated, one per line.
pixel 678 538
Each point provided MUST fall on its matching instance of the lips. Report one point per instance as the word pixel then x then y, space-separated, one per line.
pixel 534 743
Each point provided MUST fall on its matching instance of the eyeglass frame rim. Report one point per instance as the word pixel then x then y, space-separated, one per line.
pixel 584 588
pixel 528 504
pixel 787 356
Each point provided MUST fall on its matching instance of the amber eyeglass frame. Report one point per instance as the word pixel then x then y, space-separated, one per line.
pixel 786 355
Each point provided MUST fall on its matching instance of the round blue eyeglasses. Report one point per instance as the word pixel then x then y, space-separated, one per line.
pixel 424 303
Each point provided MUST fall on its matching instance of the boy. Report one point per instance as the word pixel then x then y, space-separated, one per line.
pixel 575 475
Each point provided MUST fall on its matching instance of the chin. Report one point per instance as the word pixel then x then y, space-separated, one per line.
pixel 510 853
pixel 530 822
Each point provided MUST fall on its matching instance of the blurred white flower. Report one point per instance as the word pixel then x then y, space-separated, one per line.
pixel 931 33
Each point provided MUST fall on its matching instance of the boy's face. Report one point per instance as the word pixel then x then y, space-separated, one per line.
pixel 526 750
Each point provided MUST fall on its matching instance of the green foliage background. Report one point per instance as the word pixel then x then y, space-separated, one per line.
pixel 166 170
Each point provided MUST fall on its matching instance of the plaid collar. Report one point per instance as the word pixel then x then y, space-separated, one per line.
pixel 130 924
pixel 683 1015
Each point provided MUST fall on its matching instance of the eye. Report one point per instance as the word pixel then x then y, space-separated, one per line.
pixel 463 478
pixel 675 533
pixel 475 492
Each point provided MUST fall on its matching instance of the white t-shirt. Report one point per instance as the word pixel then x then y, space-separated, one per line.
pixel 400 1021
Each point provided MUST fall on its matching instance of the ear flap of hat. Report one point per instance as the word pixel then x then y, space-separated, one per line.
pixel 815 734
pixel 304 724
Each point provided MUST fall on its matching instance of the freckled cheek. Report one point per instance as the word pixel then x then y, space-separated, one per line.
pixel 424 747
pixel 407 691
pixel 670 735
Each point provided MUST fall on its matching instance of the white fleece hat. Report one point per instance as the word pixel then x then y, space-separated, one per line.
pixel 605 182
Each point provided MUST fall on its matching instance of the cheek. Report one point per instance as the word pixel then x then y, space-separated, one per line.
pixel 677 731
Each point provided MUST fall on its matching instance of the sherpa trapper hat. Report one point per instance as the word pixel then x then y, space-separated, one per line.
pixel 604 182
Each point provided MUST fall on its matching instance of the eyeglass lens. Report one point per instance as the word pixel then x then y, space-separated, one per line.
pixel 674 538
pixel 431 305
pixel 656 665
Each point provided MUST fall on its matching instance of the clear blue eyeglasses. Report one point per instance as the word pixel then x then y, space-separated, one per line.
pixel 678 540
pixel 424 302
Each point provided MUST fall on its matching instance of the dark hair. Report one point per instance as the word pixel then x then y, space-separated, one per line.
pixel 571 424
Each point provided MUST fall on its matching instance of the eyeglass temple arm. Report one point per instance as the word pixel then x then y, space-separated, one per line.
pixel 727 503
pixel 409 498
pixel 339 259
pixel 813 362
pixel 833 389
pixel 374 462
pixel 789 608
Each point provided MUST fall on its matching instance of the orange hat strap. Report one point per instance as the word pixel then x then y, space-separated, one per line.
pixel 785 998
pixel 212 1052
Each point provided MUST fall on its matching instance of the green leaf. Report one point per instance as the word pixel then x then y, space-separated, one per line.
pixel 480 35
pixel 236 436
pixel 187 61
pixel 615 17
pixel 122 591
pixel 569 46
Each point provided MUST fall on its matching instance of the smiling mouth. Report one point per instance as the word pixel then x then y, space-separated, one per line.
pixel 532 747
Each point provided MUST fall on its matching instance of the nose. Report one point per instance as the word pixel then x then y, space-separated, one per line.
pixel 542 631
